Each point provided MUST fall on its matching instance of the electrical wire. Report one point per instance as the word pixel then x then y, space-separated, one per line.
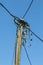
pixel 27 55
pixel 23 17
pixel 6 9
pixel 35 35
pixel 15 17
pixel 28 9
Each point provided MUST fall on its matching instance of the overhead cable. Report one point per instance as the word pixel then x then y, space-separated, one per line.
pixel 35 35
pixel 28 9
pixel 6 9
pixel 23 17
pixel 15 17
pixel 27 55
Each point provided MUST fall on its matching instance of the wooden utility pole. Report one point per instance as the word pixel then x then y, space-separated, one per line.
pixel 19 45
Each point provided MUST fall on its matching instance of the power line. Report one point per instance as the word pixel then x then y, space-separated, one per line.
pixel 27 55
pixel 6 9
pixel 27 28
pixel 16 18
pixel 28 9
pixel 35 35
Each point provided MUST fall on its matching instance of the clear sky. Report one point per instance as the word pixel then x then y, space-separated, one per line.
pixel 8 31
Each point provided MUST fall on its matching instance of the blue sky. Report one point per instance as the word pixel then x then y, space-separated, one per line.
pixel 8 31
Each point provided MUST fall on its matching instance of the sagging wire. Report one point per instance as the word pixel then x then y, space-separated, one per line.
pixel 28 9
pixel 27 55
